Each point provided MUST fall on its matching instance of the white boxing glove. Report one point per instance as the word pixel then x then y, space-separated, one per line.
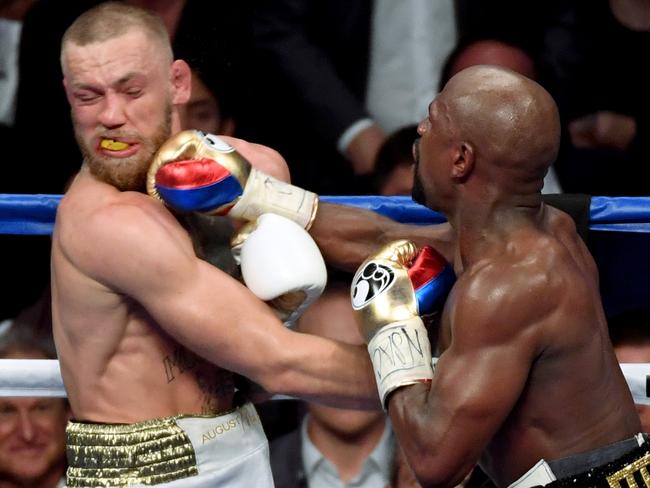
pixel 280 264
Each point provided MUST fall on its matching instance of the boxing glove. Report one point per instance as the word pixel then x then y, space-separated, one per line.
pixel 281 264
pixel 195 171
pixel 390 292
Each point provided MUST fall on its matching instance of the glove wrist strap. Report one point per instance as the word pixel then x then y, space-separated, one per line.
pixel 264 194
pixel 401 355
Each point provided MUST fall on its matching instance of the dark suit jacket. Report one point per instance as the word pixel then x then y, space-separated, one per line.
pixel 286 462
pixel 319 49
pixel 312 59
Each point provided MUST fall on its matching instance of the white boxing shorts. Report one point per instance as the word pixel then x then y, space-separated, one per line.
pixel 229 450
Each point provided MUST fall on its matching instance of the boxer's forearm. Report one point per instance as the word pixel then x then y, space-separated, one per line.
pixel 347 235
pixel 319 370
pixel 423 438
pixel 347 381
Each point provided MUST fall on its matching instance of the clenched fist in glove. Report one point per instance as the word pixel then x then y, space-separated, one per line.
pixel 391 290
pixel 194 171
pixel 281 264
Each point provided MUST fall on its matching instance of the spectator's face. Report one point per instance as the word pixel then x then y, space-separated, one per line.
pixel 121 95
pixel 202 111
pixel 345 423
pixel 32 436
pixel 400 180
pixel 496 53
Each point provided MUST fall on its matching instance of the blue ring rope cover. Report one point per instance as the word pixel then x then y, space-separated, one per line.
pixel 619 241
pixel 34 214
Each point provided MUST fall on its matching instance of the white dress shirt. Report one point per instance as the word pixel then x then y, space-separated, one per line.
pixel 410 42
pixel 9 42
pixel 376 471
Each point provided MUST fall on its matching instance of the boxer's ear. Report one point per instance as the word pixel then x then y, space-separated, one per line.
pixel 181 79
pixel 463 164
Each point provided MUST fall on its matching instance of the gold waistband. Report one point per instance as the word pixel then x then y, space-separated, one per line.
pixel 640 467
pixel 150 452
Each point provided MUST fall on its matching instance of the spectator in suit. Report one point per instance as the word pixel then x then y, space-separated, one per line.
pixel 335 83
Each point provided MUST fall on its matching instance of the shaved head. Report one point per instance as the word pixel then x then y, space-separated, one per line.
pixel 511 120
pixel 490 134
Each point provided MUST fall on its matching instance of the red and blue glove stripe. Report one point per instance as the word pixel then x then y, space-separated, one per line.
pixel 197 185
pixel 432 278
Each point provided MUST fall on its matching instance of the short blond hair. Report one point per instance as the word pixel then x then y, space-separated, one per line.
pixel 113 19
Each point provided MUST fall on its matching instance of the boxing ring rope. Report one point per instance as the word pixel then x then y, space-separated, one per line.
pixel 42 378
pixel 35 214
pixel 31 378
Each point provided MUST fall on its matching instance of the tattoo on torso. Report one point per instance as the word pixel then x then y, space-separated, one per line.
pixel 216 384
pixel 178 362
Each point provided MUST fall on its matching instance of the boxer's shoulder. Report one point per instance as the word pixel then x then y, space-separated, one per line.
pixel 509 292
pixel 103 235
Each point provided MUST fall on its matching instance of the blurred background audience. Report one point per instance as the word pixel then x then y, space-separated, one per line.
pixel 588 54
pixel 341 74
pixel 395 166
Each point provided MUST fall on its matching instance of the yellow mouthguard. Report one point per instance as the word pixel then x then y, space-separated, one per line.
pixel 112 145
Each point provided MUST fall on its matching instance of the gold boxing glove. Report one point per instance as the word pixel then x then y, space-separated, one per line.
pixel 198 172
pixel 390 291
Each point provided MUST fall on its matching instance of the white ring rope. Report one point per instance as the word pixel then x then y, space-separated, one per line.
pixel 637 376
pixel 31 377
pixel 42 378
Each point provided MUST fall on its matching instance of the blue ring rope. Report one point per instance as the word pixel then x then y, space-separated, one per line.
pixel 35 214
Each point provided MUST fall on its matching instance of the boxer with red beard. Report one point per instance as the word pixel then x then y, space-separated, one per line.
pixel 149 334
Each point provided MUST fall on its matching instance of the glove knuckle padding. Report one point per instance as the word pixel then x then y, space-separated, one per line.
pixel 388 307
pixel 281 262
pixel 194 171
pixel 192 154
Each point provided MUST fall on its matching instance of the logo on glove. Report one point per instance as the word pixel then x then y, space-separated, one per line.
pixel 215 142
pixel 371 281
